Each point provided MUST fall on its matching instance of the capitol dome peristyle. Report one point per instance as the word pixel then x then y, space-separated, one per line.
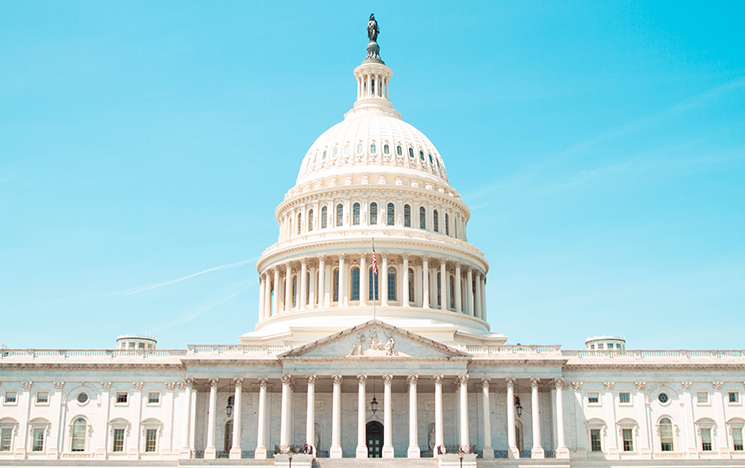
pixel 372 177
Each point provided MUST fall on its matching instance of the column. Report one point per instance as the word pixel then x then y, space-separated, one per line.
pixel 483 297
pixel 512 450
pixel 336 451
pixel 284 423
pixel 235 450
pixel 610 418
pixel 413 451
pixel 458 285
pixel 310 424
pixel 361 417
pixel 364 279
pixel 288 287
pixel 323 300
pixel 477 299
pixel 210 452
pixel 469 290
pixel 260 452
pixel 465 446
pixel 275 308
pixel 185 387
pixel 303 283
pixel 193 417
pixel 641 405
pixel 444 285
pixel 537 450
pixel 342 281
pixel 405 273
pixel 439 437
pixel 561 450
pixel 488 451
pixel 267 295
pixel 387 422
pixel 383 278
pixel 261 297
pixel 312 287
pixel 425 281
pixel 721 429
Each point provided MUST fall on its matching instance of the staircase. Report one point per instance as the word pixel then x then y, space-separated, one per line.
pixel 374 462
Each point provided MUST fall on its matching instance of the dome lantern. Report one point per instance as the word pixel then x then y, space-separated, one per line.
pixel 372 75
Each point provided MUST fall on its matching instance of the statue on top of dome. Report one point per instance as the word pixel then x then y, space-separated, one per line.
pixel 372 29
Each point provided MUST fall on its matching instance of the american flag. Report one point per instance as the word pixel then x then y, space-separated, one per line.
pixel 375 259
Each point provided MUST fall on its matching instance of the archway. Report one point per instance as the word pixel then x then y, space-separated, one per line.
pixel 374 439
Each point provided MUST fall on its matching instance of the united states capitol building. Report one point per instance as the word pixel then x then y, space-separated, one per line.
pixel 344 363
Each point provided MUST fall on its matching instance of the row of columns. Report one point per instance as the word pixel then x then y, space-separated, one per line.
pixel 365 85
pixel 271 289
pixel 413 451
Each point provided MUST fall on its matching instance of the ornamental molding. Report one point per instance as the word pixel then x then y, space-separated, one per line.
pixel 717 385
pixel 661 366
pixel 59 385
pixel 27 385
pixel 312 379
pixel 577 386
pixel 640 386
pixel 138 385
pixel 686 385
pixel 106 386
pixel 608 386
pixel 170 386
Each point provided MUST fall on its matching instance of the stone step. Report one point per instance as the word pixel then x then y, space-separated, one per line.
pixel 374 462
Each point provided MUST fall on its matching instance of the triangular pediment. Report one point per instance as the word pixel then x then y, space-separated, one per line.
pixel 375 339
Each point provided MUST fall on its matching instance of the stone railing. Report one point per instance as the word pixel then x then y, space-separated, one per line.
pixel 237 349
pixel 506 350
pixel 657 354
pixel 88 353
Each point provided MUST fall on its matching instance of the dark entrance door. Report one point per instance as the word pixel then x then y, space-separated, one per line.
pixel 374 439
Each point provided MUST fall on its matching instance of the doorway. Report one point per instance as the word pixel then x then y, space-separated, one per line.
pixel 374 439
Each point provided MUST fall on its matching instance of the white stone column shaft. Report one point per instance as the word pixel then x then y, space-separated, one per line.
pixel 288 287
pixel 284 423
pixel 477 299
pixel 336 451
pixel 364 279
pixel 235 450
pixel 261 296
pixel 425 282
pixel 210 450
pixel 537 450
pixel 463 379
pixel 512 449
pixel 469 291
pixel 361 451
pixel 310 421
pixel 387 418
pixel 342 280
pixel 185 451
pixel 303 283
pixel 439 436
pixel 260 452
pixel 384 281
pixel 275 308
pixel 561 450
pixel 457 286
pixel 483 297
pixel 444 285
pixel 488 452
pixel 323 300
pixel 405 273
pixel 413 450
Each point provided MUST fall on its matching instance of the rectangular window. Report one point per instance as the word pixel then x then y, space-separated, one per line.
pixel 121 398
pixel 10 397
pixel 737 439
pixel 595 441
pixel 702 397
pixel 153 398
pixel 593 398
pixel 42 398
pixel 734 397
pixel 706 440
pixel 5 438
pixel 150 438
pixel 118 444
pixel 624 397
pixel 628 440
pixel 38 440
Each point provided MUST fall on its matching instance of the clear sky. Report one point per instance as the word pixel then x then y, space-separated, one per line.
pixel 145 145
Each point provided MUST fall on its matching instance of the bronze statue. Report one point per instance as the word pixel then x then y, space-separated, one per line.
pixel 372 29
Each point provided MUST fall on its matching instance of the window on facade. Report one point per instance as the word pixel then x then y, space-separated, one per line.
pixel 663 398
pixel 737 439
pixel 452 293
pixel 666 435
pixel 339 214
pixel 299 223
pixel 399 150
pixel 391 214
pixel 38 440
pixel 373 213
pixel 436 221
pixel 624 397
pixel 310 220
pixel 595 440
pixel 355 293
pixel 307 289
pixel 422 218
pixel 373 285
pixel 706 439
pixel 386 149
pixel 593 398
pixel 294 290
pixel 42 397
pixel 359 148
pixel 11 397
pixel 702 397
pixel 336 285
pixel 356 214
pixel 373 149
pixel 421 155
pixel 153 398
pixel 79 428
pixel 431 162
pixel 391 284
pixel 151 436
pixel 411 153
pixel 334 152
pixel 324 217
pixel 439 289
pixel 407 216
pixel 82 397
pixel 628 440
pixel 6 437
pixel 733 397
pixel 447 224
pixel 121 398
pixel 118 441
pixel 411 285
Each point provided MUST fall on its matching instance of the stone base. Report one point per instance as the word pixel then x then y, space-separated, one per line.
pixel 537 452
pixel 488 453
pixel 335 451
pixel 361 451
pixel 562 453
pixel 453 460
pixel 513 453
pixel 297 460
pixel 236 453
pixel 413 452
pixel 185 453
pixel 260 453
pixel 210 453
pixel 388 451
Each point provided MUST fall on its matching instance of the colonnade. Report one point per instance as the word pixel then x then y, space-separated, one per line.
pixel 344 280
pixel 413 451
pixel 372 85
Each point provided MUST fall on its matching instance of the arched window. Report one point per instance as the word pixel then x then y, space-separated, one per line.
pixel 421 155
pixel 386 149
pixel 373 148
pixel 373 213
pixel 79 430
pixel 411 285
pixel 452 292
pixel 294 290
pixel 299 223
pixel 422 218
pixel 411 153
pixel 324 217
pixel 447 224
pixel 399 151
pixel 356 214
pixel 359 148
pixel 407 216
pixel 339 214
pixel 373 285
pixel 336 285
pixel 439 289
pixel 391 284
pixel 307 289
pixel 391 214
pixel 666 435
pixel 310 220
pixel 228 436
pixel 436 221
pixel 355 293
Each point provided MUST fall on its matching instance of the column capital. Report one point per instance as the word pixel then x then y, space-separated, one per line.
pixel 286 379
pixel 183 385
pixel 463 379
pixel 577 386
pixel 304 261
pixel 263 275
pixel 535 383
pixel 362 379
pixel 338 380
pixel 411 380
pixel 558 383
pixel 263 383
pixel 438 378
pixel 384 255
pixel 106 386
pixel 321 259
pixel 238 382
pixel 170 386
pixel 213 382
pixel 312 379
pixel 405 255
pixel 138 385
pixel 342 257
pixel 192 383
pixel 388 378
pixel 686 385
pixel 717 386
pixel 288 265
pixel 510 382
pixel 485 383
pixel 363 255
pixel 58 385
pixel 608 386
pixel 425 258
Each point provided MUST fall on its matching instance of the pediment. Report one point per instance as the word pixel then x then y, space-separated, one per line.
pixel 374 339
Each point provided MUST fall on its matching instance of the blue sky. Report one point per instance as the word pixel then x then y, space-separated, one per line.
pixel 145 145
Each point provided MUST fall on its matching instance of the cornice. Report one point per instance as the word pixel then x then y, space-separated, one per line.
pixel 92 365
pixel 656 366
